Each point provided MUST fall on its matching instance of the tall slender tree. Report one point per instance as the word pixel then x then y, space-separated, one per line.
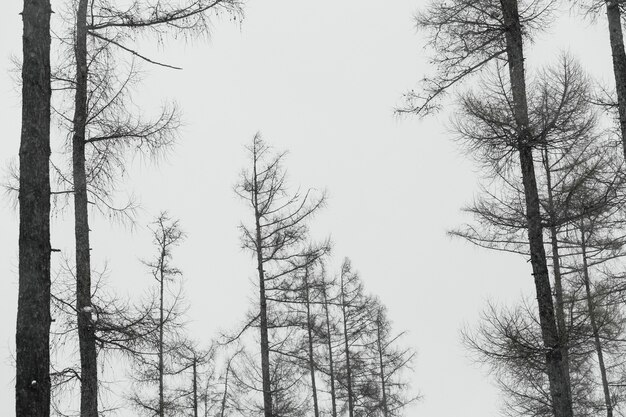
pixel 467 35
pixel 166 350
pixel 277 238
pixel 107 27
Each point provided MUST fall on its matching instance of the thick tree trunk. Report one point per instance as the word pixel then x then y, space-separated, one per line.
pixel 265 345
pixel 383 382
pixel 594 326
pixel 347 353
pixel 556 267
pixel 309 326
pixel 557 373
pixel 32 338
pixel 86 331
pixel 616 38
pixel 331 367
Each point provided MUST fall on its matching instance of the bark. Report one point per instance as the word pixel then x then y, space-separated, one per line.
pixel 309 326
pixel 616 38
pixel 265 349
pixel 382 366
pixel 32 338
pixel 594 327
pixel 86 331
pixel 347 352
pixel 557 373
pixel 331 368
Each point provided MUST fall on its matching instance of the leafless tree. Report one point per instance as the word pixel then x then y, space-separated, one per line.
pixel 393 362
pixel 278 239
pixel 164 351
pixel 102 130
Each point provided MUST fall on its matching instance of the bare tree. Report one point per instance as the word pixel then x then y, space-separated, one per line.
pixel 277 238
pixel 32 381
pixel 467 35
pixel 99 28
pixel 393 362
pixel 164 351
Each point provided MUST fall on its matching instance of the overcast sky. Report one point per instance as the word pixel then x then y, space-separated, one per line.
pixel 319 79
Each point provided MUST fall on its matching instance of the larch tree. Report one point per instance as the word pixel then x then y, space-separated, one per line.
pixel 278 238
pixel 32 380
pixel 392 362
pixel 101 27
pixel 574 157
pixel 467 35
pixel 166 348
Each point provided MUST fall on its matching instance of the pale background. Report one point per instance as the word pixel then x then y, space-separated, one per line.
pixel 320 79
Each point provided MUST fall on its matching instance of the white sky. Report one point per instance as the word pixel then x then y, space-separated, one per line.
pixel 321 80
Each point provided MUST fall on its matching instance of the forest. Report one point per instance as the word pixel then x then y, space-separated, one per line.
pixel 279 221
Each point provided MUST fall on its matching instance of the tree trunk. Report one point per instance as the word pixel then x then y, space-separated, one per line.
pixel 557 373
pixel 86 331
pixel 594 326
pixel 619 62
pixel 161 332
pixel 310 342
pixel 556 267
pixel 265 346
pixel 347 353
pixel 195 387
pixel 382 367
pixel 331 369
pixel 32 338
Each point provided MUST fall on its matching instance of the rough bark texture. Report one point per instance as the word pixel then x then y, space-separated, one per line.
pixel 557 373
pixel 616 38
pixel 594 327
pixel 32 380
pixel 86 331
pixel 265 345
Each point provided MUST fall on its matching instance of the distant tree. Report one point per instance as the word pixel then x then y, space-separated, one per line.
pixel 329 329
pixel 198 374
pixel 353 306
pixel 393 362
pixel 164 351
pixel 278 239
pixel 32 380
